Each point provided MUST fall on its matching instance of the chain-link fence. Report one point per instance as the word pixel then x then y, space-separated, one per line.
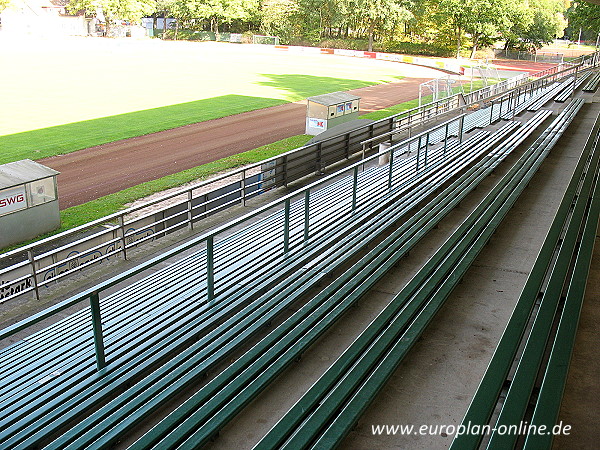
pixel 555 58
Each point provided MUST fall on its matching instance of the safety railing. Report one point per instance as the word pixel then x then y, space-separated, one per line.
pixel 208 239
pixel 115 234
pixel 32 267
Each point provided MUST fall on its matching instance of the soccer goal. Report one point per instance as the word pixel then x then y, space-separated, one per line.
pixel 267 40
pixel 439 88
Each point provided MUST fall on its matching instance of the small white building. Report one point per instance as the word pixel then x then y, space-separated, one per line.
pixel 28 201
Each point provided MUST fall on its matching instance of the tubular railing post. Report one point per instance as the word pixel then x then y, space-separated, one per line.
pixel 515 105
pixel 123 241
pixel 189 210
pixel 391 169
pixel 354 188
pixel 418 154
pixel 210 268
pixel 319 158
pixel 286 227
pixel 243 188
pixel 461 126
pixel 363 156
pixel 306 213
pixel 426 147
pixel 347 145
pixel 446 139
pixel 36 288
pixel 285 170
pixel 492 112
pixel 97 329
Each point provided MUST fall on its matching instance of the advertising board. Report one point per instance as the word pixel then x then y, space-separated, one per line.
pixel 12 199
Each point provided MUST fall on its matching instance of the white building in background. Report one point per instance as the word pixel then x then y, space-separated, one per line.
pixel 43 18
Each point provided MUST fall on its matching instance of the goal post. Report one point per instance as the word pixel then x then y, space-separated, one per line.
pixel 438 88
pixel 266 40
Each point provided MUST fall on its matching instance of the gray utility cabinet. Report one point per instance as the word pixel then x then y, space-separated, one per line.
pixel 328 110
pixel 28 201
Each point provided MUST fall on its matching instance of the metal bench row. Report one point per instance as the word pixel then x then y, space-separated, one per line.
pixel 42 403
pixel 521 100
pixel 566 93
pixel 333 405
pixel 199 418
pixel 370 189
pixel 140 400
pixel 555 90
pixel 592 83
pixel 506 106
pixel 59 331
pixel 551 298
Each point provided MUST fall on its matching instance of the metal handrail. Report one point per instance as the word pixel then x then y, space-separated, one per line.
pixel 207 239
pixel 118 223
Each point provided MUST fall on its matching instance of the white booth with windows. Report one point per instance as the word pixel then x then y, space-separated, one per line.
pixel 324 112
pixel 28 201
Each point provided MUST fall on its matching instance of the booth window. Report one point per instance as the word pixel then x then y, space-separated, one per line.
pixel 42 191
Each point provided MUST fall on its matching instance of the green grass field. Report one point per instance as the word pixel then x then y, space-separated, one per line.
pixel 62 96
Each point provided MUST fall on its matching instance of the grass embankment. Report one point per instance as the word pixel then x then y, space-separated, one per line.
pixel 109 204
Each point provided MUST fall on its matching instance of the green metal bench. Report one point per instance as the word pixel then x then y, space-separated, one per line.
pixel 592 83
pixel 320 312
pixel 571 238
pixel 277 299
pixel 578 79
pixel 333 405
pixel 49 397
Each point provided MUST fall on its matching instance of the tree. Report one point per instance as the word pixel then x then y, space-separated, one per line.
pixel 484 20
pixel 212 12
pixel 521 18
pixel 379 16
pixel 454 15
pixel 4 4
pixel 585 16
pixel 278 19
pixel 113 10
pixel 535 23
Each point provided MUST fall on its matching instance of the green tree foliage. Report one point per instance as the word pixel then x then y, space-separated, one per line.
pixel 535 23
pixel 482 20
pixel 380 16
pixel 278 19
pixel 586 17
pixel 4 4
pixel 199 14
pixel 438 24
pixel 113 10
pixel 314 20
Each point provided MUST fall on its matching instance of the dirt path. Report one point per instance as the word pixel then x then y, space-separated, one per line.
pixel 91 173
pixel 524 66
